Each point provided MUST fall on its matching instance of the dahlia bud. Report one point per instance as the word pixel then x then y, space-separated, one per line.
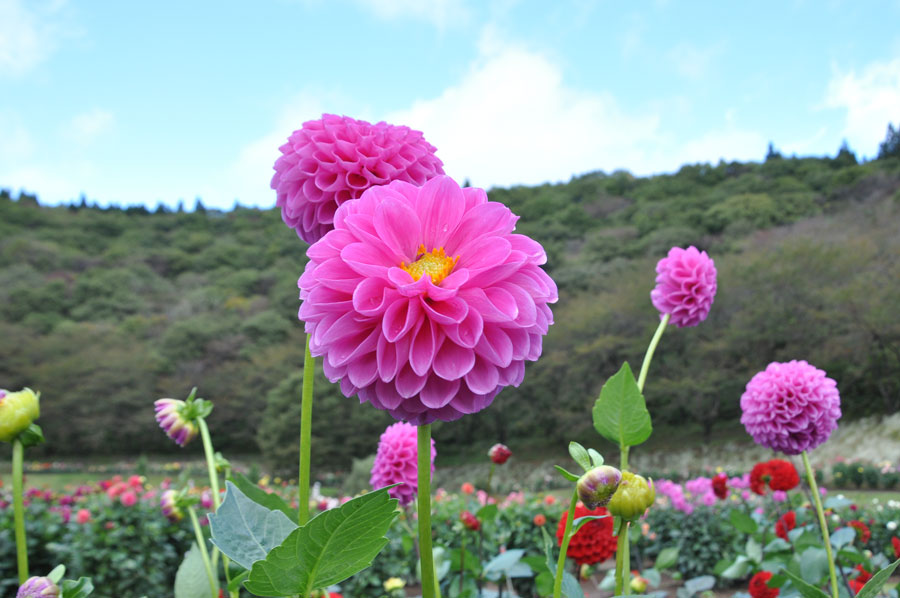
pixel 499 453
pixel 633 497
pixel 178 418
pixel 17 411
pixel 38 587
pixel 596 487
pixel 470 521
pixel 638 583
pixel 169 503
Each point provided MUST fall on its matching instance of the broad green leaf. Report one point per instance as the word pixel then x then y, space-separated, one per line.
pixel 77 589
pixel 330 548
pixel 190 579
pixel 652 576
pixel 580 522
pixel 742 521
pixel 805 589
pixel 237 580
pixel 842 536
pixel 738 569
pixel 852 554
pixel 596 458
pixel 703 583
pixel 503 564
pixel 874 585
pixel 620 413
pixel 778 545
pixel 272 501
pixel 570 586
pixel 487 513
pixel 543 584
pixel 57 574
pixel 667 558
pixel 581 456
pixel 568 475
pixel 31 436
pixel 246 531
pixel 753 550
pixel 814 564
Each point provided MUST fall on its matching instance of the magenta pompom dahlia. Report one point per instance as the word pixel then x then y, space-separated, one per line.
pixel 790 407
pixel 337 158
pixel 396 462
pixel 685 286
pixel 38 587
pixel 424 302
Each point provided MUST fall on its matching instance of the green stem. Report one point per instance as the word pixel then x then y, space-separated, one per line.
pixel 620 557
pixel 18 456
pixel 626 560
pixel 490 477
pixel 648 356
pixel 811 479
pixel 306 405
pixel 213 485
pixel 204 554
pixel 426 558
pixel 564 547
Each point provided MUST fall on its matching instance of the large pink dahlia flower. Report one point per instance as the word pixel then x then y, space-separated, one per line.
pixel 337 158
pixel 685 286
pixel 396 462
pixel 424 302
pixel 790 407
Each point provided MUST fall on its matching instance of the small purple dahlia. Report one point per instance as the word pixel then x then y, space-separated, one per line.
pixel 169 504
pixel 685 286
pixel 424 302
pixel 38 587
pixel 170 413
pixel 790 407
pixel 396 462
pixel 337 158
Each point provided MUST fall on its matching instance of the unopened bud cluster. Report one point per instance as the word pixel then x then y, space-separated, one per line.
pixel 633 497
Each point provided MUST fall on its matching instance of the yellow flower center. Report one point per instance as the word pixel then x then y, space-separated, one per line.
pixel 434 263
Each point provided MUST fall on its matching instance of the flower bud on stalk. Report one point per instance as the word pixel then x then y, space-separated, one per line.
pixel 17 411
pixel 470 521
pixel 638 583
pixel 169 503
pixel 38 587
pixel 597 486
pixel 633 497
pixel 499 453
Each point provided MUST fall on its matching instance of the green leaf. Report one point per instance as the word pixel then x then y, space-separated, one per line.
pixel 778 545
pixel 569 476
pixel 703 583
pixel 738 569
pixel 570 586
pixel 77 589
pixel 503 564
pixel 842 536
pixel 237 580
pixel 805 589
pixel 754 550
pixel 57 574
pixel 742 521
pixel 31 436
pixel 874 585
pixel 581 456
pixel 652 576
pixel 190 579
pixel 246 531
pixel 667 558
pixel 852 554
pixel 548 551
pixel 580 522
pixel 330 548
pixel 814 564
pixel 596 458
pixel 272 501
pixel 620 413
pixel 487 512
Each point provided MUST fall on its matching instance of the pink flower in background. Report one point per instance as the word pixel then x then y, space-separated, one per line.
pixel 336 158
pixel 38 587
pixel 206 500
pixel 790 407
pixel 685 286
pixel 171 509
pixel 779 495
pixel 396 462
pixel 424 302
pixel 136 482
pixel 128 498
pixel 709 499
pixel 83 516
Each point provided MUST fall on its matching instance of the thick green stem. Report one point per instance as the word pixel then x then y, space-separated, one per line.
pixel 213 483
pixel 306 405
pixel 564 547
pixel 621 547
pixel 18 457
pixel 490 477
pixel 626 561
pixel 426 558
pixel 814 489
pixel 648 356
pixel 204 554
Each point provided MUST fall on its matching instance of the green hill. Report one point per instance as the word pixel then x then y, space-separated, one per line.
pixel 105 310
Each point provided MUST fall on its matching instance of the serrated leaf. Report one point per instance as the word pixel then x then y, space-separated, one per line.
pixel 874 585
pixel 271 501
pixel 596 458
pixel 330 548
pixel 742 521
pixel 246 531
pixel 77 589
pixel 568 475
pixel 667 558
pixel 805 589
pixel 620 413
pixel 190 579
pixel 581 456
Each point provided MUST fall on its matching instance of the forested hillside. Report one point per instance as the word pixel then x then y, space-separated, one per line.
pixel 105 310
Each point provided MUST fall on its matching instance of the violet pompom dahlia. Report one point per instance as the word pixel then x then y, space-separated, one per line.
pixel 790 407
pixel 685 286
pixel 337 158
pixel 424 302
pixel 395 462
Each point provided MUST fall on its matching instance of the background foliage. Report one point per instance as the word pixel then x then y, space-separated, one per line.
pixel 105 310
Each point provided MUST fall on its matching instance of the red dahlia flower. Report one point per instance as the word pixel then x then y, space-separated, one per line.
pixel 895 542
pixel 858 582
pixel 785 523
pixel 862 531
pixel 758 587
pixel 783 475
pixel 720 485
pixel 594 542
pixel 759 477
pixel 499 453
pixel 470 521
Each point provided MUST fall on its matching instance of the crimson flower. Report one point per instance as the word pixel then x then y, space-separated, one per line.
pixel 759 477
pixel 759 588
pixel 720 485
pixel 862 531
pixel 895 542
pixel 499 453
pixel 594 542
pixel 785 523
pixel 470 521
pixel 858 582
pixel 783 475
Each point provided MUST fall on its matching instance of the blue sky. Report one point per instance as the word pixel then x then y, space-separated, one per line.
pixel 159 101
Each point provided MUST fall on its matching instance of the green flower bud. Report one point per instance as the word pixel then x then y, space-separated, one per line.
pixel 597 486
pixel 633 497
pixel 17 411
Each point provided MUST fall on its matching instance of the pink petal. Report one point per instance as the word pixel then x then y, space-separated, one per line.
pixel 483 378
pixel 468 332
pixel 438 392
pixel 408 383
pixel 452 311
pixel 453 361
pixel 372 297
pixel 398 226
pixel 423 348
pixel 440 205
pixel 400 317
pixel 495 346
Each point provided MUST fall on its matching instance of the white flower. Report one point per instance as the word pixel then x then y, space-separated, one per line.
pixel 891 525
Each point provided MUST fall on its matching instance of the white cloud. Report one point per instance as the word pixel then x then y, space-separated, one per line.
pixel 871 99
pixel 86 127
pixel 440 13
pixel 16 142
pixel 690 61
pixel 28 34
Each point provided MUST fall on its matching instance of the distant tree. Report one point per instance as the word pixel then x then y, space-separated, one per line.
pixel 772 153
pixel 890 147
pixel 845 156
pixel 467 182
pixel 162 208
pixel 199 207
pixel 180 208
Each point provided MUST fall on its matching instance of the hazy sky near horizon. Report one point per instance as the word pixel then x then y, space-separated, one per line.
pixel 151 102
